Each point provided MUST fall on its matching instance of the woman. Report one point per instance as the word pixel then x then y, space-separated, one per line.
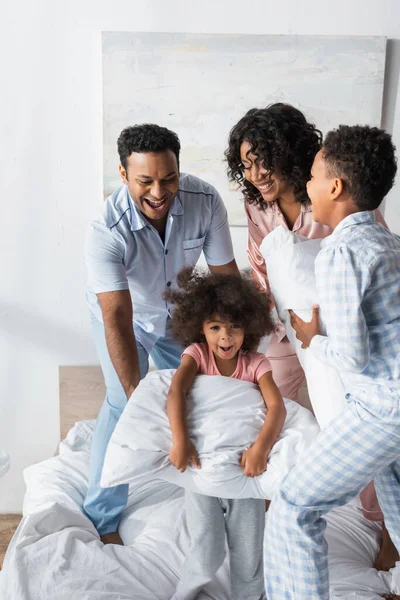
pixel 270 154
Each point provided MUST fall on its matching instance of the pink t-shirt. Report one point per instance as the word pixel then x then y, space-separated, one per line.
pixel 251 366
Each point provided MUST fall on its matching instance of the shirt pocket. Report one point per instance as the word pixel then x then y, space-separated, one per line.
pixel 192 250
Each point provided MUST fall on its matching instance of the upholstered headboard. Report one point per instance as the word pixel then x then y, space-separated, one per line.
pixel 82 393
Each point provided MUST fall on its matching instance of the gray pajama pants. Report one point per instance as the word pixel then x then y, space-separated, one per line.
pixel 211 522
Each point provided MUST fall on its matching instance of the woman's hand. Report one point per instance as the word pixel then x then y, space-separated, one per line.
pixel 254 461
pixel 182 453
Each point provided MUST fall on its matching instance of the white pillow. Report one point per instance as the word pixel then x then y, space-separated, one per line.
pixel 225 416
pixel 290 260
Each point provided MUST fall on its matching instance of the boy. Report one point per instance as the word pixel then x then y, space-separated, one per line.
pixel 358 281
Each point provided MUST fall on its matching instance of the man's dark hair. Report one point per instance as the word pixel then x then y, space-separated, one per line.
pixel 282 139
pixel 202 296
pixel 147 138
pixel 364 159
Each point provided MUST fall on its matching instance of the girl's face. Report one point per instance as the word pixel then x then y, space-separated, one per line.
pixel 225 339
pixel 270 185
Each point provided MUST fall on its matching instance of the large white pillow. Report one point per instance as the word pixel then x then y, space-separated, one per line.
pixel 290 260
pixel 225 416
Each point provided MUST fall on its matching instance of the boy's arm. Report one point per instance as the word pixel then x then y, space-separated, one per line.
pixel 254 460
pixel 341 282
pixel 182 450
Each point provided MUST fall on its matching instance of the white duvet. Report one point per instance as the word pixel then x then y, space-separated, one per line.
pixel 56 554
pixel 225 416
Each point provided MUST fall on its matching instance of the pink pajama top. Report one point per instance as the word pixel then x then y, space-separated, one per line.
pixel 262 222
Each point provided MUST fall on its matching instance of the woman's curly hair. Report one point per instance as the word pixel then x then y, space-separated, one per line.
pixel 201 296
pixel 283 140
pixel 364 158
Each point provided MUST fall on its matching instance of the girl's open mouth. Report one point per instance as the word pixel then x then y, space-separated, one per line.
pixel 226 349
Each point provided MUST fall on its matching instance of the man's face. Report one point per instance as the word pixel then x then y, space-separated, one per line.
pixel 153 181
pixel 319 190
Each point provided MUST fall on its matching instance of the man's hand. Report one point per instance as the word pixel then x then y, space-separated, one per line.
pixel 254 461
pixel 182 453
pixel 306 331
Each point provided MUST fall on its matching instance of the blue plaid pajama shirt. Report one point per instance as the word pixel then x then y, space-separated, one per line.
pixel 358 282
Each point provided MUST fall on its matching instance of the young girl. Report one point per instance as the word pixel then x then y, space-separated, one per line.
pixel 221 319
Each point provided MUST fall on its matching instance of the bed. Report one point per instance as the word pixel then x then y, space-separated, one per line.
pixel 56 554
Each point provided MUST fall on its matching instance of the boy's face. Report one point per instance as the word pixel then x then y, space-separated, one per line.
pixel 320 189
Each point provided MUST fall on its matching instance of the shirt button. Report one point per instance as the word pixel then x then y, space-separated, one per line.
pixel 168 284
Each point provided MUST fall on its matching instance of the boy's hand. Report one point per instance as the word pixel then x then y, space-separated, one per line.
pixel 305 331
pixel 254 461
pixel 182 453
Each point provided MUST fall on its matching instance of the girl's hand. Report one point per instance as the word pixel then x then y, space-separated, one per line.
pixel 182 453
pixel 254 461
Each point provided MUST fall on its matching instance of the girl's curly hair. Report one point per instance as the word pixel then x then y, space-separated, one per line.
pixel 283 140
pixel 202 296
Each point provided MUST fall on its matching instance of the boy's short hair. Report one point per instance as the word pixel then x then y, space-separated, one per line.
pixel 364 158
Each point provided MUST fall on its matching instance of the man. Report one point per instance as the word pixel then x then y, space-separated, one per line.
pixel 157 222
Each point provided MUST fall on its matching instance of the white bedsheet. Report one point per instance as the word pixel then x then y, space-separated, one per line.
pixel 55 553
pixel 225 416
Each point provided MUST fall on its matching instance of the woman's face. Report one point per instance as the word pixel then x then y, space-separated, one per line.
pixel 270 185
